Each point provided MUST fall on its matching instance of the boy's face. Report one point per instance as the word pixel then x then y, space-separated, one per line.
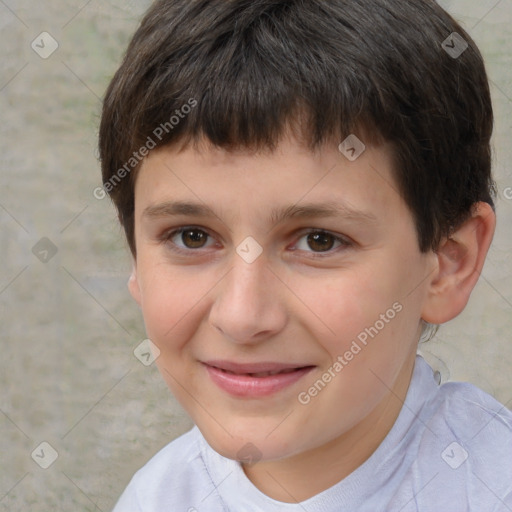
pixel 344 314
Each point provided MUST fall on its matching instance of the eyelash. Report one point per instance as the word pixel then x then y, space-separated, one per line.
pixel 343 241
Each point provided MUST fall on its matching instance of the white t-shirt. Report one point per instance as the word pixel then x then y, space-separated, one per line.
pixel 450 450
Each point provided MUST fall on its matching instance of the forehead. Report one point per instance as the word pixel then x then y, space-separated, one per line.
pixel 281 183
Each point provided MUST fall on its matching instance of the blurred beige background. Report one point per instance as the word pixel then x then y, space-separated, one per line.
pixel 68 374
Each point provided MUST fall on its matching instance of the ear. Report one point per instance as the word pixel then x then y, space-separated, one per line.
pixel 133 284
pixel 460 259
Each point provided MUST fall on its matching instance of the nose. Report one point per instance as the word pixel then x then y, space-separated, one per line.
pixel 248 307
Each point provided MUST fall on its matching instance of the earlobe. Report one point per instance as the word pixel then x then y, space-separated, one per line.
pixel 460 259
pixel 133 285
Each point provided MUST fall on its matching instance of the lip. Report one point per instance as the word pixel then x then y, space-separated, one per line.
pixel 235 378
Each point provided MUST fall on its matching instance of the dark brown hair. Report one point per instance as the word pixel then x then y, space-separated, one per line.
pixel 239 72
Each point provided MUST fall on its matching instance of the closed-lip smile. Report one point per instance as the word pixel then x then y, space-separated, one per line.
pixel 254 380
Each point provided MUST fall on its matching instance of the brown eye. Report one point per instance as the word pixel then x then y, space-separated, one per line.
pixel 194 238
pixel 321 242
pixel 187 240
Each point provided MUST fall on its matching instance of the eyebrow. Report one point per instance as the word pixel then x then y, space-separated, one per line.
pixel 277 215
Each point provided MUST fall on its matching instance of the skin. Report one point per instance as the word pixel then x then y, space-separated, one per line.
pixel 288 305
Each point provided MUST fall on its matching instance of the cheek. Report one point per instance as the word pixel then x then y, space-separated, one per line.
pixel 370 326
pixel 369 339
pixel 172 304
pixel 346 306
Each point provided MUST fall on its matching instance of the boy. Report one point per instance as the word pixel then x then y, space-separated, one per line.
pixel 239 136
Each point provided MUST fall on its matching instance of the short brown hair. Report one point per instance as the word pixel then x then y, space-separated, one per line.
pixel 247 69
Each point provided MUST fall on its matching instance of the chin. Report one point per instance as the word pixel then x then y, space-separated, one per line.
pixel 253 444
